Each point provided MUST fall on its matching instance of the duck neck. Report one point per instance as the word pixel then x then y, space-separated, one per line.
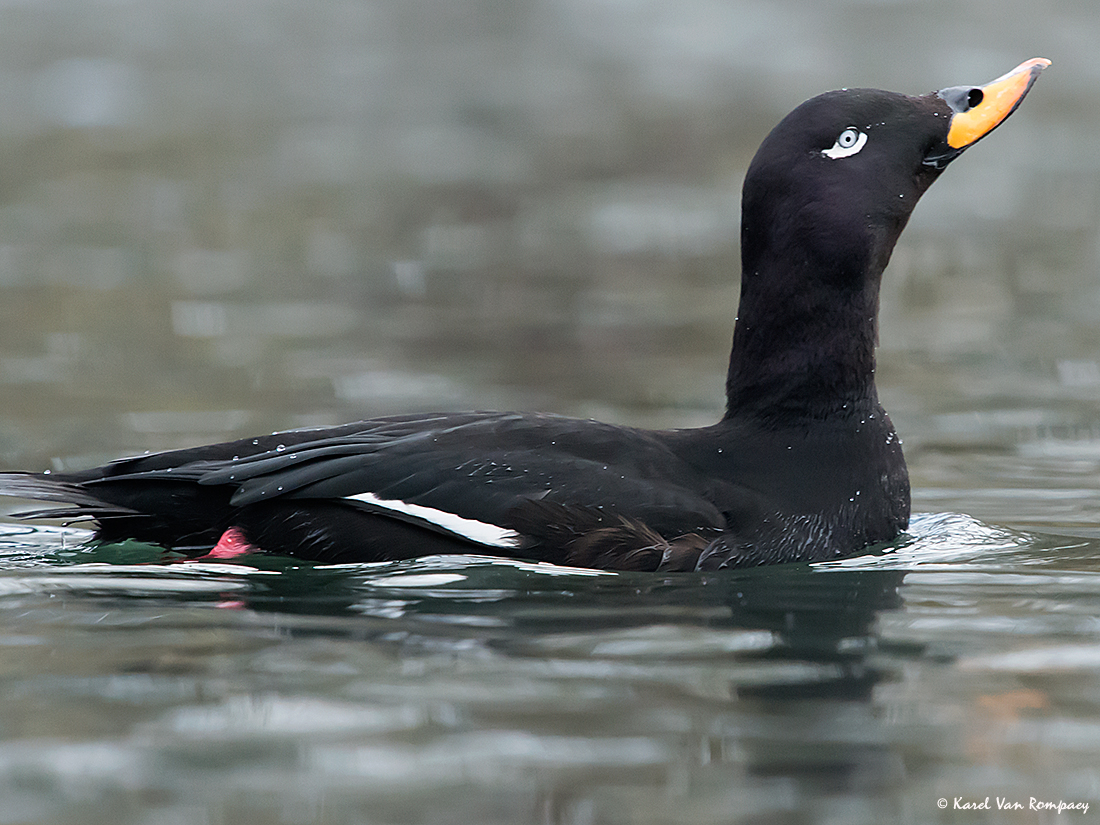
pixel 804 341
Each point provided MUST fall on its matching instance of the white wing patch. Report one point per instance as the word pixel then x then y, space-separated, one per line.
pixel 849 143
pixel 490 535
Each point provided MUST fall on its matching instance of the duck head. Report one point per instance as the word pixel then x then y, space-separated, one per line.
pixel 824 201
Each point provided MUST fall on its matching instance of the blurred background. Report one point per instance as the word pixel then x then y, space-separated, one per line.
pixel 223 219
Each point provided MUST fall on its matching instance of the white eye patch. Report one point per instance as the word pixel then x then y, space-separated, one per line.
pixel 851 140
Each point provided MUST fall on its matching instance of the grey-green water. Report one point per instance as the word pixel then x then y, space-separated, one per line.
pixel 223 219
pixel 961 665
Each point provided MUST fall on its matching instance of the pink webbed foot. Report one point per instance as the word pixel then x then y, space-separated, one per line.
pixel 231 545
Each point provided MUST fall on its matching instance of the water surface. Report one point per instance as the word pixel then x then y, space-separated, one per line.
pixel 961 663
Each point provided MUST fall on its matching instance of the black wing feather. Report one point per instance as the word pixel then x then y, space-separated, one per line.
pixel 419 460
pixel 426 461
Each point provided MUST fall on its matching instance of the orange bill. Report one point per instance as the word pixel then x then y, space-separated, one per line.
pixel 980 109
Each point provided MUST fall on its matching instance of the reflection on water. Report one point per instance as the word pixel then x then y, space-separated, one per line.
pixel 481 690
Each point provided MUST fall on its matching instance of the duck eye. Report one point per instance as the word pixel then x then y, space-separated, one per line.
pixel 851 140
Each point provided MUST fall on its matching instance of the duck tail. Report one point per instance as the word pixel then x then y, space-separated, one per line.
pixel 82 503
